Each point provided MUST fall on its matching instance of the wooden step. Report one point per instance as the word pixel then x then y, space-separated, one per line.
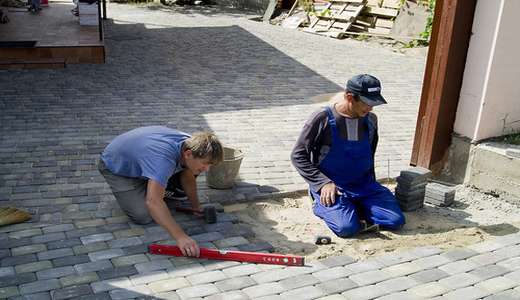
pixel 43 63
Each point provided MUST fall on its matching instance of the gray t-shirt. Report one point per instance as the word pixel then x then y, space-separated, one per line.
pixel 315 140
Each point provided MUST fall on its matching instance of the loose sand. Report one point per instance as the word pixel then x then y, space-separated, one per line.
pixel 290 226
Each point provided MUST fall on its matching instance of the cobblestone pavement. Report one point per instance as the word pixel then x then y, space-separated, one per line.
pixel 249 82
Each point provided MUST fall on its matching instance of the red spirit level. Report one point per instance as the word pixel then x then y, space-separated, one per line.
pixel 242 256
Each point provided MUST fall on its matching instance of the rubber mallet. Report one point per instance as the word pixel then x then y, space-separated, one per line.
pixel 209 212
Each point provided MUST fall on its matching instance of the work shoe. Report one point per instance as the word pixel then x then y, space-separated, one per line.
pixel 175 195
pixel 366 227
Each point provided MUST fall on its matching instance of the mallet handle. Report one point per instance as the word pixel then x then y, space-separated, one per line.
pixel 242 256
pixel 188 210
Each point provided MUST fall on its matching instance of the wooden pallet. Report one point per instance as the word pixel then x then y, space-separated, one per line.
pixel 343 14
pixel 377 17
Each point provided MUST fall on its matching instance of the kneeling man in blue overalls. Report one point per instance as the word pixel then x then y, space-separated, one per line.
pixel 335 155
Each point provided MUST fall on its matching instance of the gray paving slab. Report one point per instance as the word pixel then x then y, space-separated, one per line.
pixel 308 292
pixel 150 277
pixel 236 283
pixel 72 292
pixel 233 295
pixel 197 291
pixel 364 292
pixel 336 286
pixel 167 285
pixel 80 279
pixel 9 271
pixel 429 290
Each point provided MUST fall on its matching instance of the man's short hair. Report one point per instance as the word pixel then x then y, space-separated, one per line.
pixel 354 96
pixel 205 145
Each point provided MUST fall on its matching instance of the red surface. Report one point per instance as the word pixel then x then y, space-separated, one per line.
pixel 242 256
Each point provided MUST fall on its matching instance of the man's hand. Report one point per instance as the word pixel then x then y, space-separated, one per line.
pixel 162 216
pixel 188 246
pixel 328 194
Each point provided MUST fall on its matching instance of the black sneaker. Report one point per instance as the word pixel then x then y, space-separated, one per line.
pixel 366 227
pixel 175 195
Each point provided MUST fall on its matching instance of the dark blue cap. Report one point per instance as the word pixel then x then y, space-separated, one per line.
pixel 367 87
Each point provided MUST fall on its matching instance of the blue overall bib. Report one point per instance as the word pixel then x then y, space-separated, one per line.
pixel 349 165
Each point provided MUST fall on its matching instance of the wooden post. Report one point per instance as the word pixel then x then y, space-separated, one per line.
pixel 104 9
pixel 449 43
pixel 100 21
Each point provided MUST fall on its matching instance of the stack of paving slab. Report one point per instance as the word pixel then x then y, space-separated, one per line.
pixel 439 194
pixel 410 190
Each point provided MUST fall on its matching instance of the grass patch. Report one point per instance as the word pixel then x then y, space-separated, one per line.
pixel 513 139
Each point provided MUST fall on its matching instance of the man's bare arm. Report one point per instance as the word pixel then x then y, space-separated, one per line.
pixel 162 216
pixel 189 185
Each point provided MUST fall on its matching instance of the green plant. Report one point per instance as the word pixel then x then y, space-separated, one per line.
pixel 426 34
pixel 513 139
pixel 325 12
pixel 362 37
pixel 429 21
pixel 306 5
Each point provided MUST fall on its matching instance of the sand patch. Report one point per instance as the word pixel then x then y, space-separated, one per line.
pixel 290 226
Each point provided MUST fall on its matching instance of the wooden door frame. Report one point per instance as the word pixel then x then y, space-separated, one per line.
pixel 451 32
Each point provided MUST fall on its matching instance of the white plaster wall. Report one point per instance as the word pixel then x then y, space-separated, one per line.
pixel 490 89
pixel 501 110
pixel 479 58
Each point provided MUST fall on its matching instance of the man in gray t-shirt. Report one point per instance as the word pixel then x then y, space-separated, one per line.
pixel 138 166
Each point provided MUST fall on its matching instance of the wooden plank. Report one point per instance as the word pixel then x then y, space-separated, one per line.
pixel 342 25
pixel 381 12
pixel 384 23
pixel 395 4
pixel 374 3
pixel 269 11
pixel 295 4
pixel 368 21
pixel 323 33
pixel 352 31
pixel 348 19
pixel 321 8
pixel 379 30
pixel 314 23
pixel 358 28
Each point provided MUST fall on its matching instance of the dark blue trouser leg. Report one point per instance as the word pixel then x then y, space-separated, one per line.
pixel 341 217
pixel 381 207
